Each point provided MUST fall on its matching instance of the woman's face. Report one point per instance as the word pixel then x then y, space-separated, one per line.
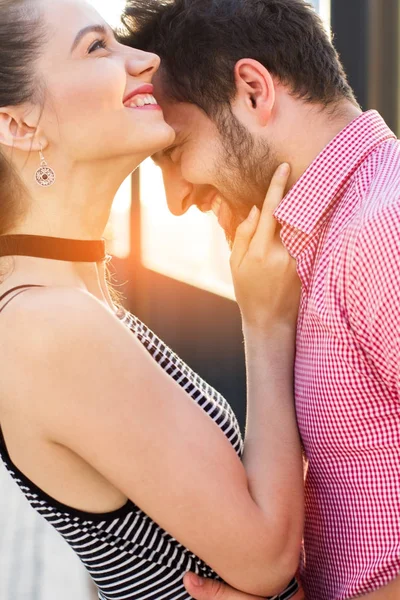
pixel 89 111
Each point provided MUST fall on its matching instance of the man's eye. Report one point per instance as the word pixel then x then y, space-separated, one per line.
pixel 173 154
pixel 98 44
pixel 169 151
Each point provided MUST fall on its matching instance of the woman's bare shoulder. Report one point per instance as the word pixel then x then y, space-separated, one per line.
pixel 41 307
pixel 48 324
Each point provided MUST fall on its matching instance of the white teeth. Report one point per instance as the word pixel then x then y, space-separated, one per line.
pixel 142 100
pixel 150 100
pixel 216 206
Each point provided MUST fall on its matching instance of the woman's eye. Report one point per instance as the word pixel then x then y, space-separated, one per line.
pixel 98 44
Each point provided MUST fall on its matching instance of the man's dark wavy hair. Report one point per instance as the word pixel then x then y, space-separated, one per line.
pixel 200 42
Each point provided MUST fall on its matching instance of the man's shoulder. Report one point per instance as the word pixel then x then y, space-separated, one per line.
pixel 371 239
pixel 372 229
pixel 379 220
pixel 378 177
pixel 377 185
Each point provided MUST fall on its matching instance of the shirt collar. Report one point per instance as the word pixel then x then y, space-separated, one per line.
pixel 302 211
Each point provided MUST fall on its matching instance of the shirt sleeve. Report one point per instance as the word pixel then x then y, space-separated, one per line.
pixel 374 293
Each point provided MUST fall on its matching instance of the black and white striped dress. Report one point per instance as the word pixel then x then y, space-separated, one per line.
pixel 128 556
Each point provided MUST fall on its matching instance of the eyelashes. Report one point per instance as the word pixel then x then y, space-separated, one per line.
pixel 98 44
pixel 169 151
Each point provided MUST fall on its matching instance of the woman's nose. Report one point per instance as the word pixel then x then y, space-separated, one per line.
pixel 143 63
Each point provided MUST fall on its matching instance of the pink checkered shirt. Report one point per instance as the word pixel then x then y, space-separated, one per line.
pixel 341 221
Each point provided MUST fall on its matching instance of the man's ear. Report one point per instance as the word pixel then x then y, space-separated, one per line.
pixel 255 89
pixel 18 130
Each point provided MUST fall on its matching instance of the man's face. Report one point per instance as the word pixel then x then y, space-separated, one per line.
pixel 209 162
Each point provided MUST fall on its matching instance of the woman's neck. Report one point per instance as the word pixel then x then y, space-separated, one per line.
pixel 24 270
pixel 78 205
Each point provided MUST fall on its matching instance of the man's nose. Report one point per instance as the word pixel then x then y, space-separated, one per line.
pixel 179 193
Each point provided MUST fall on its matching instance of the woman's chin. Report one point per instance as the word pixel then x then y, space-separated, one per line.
pixel 144 144
pixel 157 138
pixel 168 138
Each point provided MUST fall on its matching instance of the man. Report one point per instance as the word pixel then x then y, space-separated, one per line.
pixel 247 85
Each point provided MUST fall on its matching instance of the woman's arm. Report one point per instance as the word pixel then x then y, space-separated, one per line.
pixel 272 456
pixel 268 293
pixel 94 389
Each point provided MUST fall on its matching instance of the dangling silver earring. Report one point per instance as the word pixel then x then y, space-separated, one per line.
pixel 44 176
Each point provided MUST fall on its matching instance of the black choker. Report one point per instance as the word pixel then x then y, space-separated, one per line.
pixel 53 248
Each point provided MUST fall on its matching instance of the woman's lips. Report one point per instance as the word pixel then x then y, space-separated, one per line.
pixel 142 99
pixel 147 88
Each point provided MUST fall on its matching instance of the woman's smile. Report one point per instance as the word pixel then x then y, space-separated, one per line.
pixel 142 98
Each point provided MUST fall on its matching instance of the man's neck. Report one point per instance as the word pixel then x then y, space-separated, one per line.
pixel 310 130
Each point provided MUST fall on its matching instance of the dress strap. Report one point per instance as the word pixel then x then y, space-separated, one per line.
pixel 20 289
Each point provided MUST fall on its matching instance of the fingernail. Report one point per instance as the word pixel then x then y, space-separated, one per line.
pixel 195 580
pixel 284 170
pixel 253 213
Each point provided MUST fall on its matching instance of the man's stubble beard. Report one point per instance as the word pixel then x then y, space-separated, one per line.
pixel 244 170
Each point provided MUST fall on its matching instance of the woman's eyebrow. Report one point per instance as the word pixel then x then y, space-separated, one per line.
pixel 90 29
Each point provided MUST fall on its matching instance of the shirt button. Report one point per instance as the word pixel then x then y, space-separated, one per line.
pixel 295 234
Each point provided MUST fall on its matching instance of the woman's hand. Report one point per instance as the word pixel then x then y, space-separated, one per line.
pixel 264 275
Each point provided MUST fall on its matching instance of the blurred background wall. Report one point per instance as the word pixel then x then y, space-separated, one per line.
pixel 175 277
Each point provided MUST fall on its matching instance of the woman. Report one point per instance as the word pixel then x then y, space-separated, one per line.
pixel 119 445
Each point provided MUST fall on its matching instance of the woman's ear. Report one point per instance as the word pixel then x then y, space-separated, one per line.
pixel 255 89
pixel 17 130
